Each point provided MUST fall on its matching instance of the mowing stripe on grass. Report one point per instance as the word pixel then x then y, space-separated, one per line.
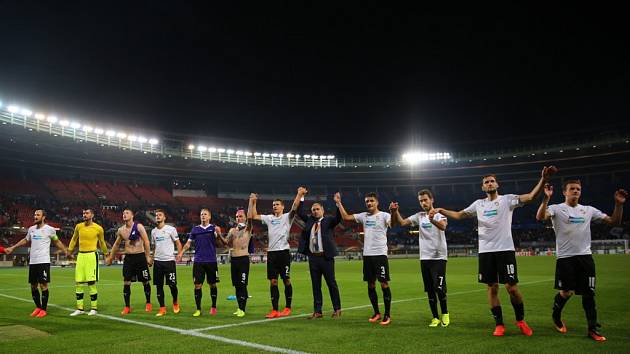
pixel 28 287
pixel 178 330
pixel 346 309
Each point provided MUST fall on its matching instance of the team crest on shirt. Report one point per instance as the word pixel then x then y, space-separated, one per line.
pixel 496 203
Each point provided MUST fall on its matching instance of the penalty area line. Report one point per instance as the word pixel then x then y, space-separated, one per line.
pixel 187 332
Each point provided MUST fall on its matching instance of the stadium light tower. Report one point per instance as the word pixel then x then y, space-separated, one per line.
pixel 415 157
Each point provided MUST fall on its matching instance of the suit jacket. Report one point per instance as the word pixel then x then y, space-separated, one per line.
pixel 327 226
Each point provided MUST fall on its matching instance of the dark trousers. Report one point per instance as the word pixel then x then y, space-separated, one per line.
pixel 321 266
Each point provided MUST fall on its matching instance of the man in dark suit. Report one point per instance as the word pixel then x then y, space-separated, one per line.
pixel 317 242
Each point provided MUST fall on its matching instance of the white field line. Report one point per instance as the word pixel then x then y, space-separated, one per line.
pixel 346 309
pixel 178 330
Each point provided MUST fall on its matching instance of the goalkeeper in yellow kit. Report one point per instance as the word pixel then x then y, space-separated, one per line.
pixel 87 234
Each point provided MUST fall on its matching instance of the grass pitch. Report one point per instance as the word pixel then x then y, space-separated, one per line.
pixel 470 329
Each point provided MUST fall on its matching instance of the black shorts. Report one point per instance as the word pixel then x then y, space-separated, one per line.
pixel 135 268
pixel 279 262
pixel 498 267
pixel 164 270
pixel 433 275
pixel 39 273
pixel 240 270
pixel 203 271
pixel 576 273
pixel 375 267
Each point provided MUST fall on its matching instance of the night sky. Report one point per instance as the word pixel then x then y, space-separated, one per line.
pixel 352 75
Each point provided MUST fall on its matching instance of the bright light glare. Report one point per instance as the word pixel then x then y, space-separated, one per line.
pixel 415 157
pixel 153 141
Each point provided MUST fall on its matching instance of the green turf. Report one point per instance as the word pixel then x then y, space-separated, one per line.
pixel 470 330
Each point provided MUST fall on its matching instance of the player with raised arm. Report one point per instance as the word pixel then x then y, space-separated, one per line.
pixel 433 252
pixel 239 238
pixel 575 267
pixel 278 251
pixel 40 235
pixel 497 259
pixel 375 262
pixel 137 258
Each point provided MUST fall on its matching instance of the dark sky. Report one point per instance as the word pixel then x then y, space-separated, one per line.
pixel 369 74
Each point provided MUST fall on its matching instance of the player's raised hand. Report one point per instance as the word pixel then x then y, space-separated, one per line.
pixel 393 206
pixel 337 197
pixel 620 196
pixel 253 196
pixel 548 190
pixel 8 250
pixel 549 171
pixel 302 191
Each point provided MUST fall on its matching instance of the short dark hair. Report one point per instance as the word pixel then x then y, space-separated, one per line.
pixel 320 205
pixel 570 181
pixel 490 175
pixel 161 211
pixel 43 212
pixel 278 200
pixel 371 195
pixel 90 209
pixel 425 192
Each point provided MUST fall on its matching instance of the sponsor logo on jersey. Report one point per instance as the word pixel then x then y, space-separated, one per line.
pixel 426 225
pixel 488 213
pixel 576 220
